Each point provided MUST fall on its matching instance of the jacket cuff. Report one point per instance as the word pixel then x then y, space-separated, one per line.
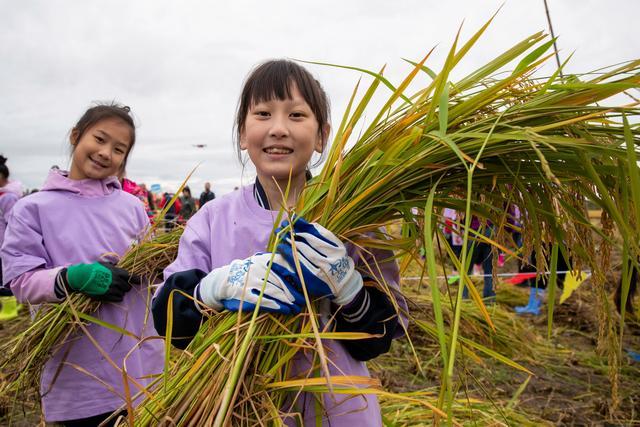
pixel 36 287
pixel 357 308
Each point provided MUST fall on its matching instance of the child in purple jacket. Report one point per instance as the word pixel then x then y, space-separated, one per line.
pixel 282 120
pixel 57 241
pixel 10 192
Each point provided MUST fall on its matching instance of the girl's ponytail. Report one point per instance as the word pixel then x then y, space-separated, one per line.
pixel 4 170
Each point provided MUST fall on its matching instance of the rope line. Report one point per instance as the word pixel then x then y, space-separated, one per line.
pixel 588 274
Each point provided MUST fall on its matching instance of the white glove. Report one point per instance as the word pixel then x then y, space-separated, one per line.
pixel 326 268
pixel 240 283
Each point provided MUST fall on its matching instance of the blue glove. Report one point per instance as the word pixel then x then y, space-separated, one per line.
pixel 326 268
pixel 239 285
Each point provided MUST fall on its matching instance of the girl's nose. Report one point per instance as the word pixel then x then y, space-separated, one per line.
pixel 105 152
pixel 279 128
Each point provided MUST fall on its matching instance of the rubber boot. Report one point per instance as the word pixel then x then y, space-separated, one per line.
pixel 9 309
pixel 535 301
pixel 453 278
pixel 635 356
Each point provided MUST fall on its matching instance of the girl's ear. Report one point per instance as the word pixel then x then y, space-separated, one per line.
pixel 243 141
pixel 324 137
pixel 73 137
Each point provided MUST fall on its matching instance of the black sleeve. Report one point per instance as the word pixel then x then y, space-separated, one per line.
pixel 186 317
pixel 370 312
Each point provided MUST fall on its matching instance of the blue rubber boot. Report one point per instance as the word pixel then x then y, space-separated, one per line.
pixel 535 301
pixel 635 356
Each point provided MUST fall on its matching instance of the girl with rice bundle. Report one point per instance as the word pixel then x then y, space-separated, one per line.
pixel 66 238
pixel 282 119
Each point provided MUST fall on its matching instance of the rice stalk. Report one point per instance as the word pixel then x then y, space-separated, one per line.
pixel 543 143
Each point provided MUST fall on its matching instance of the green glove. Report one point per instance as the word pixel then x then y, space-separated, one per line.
pixel 99 280
pixel 92 279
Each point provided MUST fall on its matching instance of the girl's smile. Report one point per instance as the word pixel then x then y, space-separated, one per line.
pixel 277 151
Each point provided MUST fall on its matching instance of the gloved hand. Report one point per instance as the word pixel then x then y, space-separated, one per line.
pixel 327 269
pixel 99 280
pixel 239 284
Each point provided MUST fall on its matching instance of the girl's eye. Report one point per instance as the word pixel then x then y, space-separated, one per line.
pixel 262 113
pixel 298 115
pixel 119 151
pixel 99 139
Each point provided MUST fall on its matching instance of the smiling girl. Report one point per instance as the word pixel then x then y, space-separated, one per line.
pixel 282 120
pixel 66 238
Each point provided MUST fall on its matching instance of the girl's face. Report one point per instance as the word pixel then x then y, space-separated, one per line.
pixel 281 136
pixel 101 150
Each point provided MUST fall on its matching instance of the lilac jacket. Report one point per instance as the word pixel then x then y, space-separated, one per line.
pixel 9 195
pixel 235 227
pixel 70 222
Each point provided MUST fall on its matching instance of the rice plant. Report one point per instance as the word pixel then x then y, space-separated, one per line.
pixel 545 144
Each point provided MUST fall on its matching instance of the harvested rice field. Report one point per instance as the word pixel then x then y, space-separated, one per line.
pixel 568 385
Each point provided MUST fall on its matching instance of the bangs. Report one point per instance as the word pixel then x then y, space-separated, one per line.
pixel 273 86
pixel 275 80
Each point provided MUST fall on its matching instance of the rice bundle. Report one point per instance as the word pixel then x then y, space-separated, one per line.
pixel 24 357
pixel 542 143
pixel 468 411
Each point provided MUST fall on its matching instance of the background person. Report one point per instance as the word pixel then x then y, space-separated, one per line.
pixel 207 195
pixel 188 204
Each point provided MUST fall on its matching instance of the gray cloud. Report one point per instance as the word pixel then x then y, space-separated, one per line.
pixel 180 65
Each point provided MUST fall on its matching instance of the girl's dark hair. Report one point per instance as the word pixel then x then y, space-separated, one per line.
pixel 187 189
pixel 100 112
pixel 273 80
pixel 4 170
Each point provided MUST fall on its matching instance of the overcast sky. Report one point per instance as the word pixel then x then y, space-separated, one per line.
pixel 179 65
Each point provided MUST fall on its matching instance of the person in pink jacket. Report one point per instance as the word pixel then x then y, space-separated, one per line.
pixel 66 238
pixel 282 120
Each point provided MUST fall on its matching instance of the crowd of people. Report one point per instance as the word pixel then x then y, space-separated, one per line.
pixel 179 211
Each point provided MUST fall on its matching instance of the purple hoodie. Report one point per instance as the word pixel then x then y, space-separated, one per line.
pixel 9 195
pixel 235 226
pixel 69 222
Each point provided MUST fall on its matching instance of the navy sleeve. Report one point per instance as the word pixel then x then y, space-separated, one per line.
pixel 186 317
pixel 371 312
